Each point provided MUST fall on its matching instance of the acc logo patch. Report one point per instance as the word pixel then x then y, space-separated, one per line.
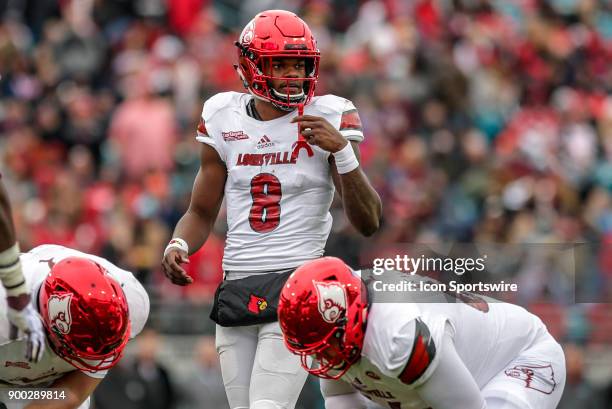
pixel 59 312
pixel 537 377
pixel 257 304
pixel 332 300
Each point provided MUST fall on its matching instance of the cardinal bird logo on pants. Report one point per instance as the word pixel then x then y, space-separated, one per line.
pixel 257 304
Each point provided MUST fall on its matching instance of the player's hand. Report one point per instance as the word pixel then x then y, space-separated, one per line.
pixel 23 316
pixel 171 265
pixel 321 133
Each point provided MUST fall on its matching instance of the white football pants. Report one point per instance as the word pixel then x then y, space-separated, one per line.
pixel 258 370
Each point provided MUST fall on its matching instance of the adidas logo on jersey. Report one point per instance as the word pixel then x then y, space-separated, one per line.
pixel 264 142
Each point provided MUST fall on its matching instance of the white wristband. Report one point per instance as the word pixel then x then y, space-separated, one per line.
pixel 10 271
pixel 177 243
pixel 346 160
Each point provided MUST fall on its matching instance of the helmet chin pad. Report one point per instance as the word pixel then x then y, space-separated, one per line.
pixel 291 99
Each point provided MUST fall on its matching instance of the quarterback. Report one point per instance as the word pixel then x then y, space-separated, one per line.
pixel 474 353
pixel 277 154
pixel 89 309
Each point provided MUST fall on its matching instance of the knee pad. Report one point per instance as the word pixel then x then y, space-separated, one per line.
pixel 266 404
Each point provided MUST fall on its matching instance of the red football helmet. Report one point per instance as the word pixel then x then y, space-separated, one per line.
pixel 321 312
pixel 85 313
pixel 277 34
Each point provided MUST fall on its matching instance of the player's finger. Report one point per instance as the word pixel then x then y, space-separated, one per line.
pixel 182 281
pixel 302 118
pixel 310 124
pixel 177 275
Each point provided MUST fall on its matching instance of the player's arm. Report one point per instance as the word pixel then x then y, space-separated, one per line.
pixel 10 266
pixel 340 395
pixel 21 314
pixel 361 202
pixel 196 224
pixel 77 387
pixel 451 385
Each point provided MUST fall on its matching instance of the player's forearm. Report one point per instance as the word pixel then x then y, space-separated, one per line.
pixel 194 227
pixel 7 230
pixel 361 202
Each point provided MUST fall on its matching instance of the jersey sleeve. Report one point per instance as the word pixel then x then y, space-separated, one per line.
pixel 451 385
pixel 350 123
pixel 206 131
pixel 422 359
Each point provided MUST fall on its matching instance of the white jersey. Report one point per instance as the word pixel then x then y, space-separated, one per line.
pixel 15 370
pixel 402 343
pixel 277 194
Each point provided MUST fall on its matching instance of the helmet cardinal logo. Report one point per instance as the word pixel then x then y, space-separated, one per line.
pixel 257 304
pixel 59 312
pixel 247 34
pixel 332 300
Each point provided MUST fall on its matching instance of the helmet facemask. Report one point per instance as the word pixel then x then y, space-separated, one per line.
pixel 88 360
pixel 254 70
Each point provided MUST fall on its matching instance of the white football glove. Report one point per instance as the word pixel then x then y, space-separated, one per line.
pixel 28 321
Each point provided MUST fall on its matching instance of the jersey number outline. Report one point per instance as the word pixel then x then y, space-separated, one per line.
pixel 265 211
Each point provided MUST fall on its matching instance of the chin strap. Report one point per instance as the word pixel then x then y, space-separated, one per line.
pixel 301 142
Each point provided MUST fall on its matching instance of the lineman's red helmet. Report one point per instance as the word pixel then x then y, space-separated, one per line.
pixel 85 313
pixel 322 314
pixel 277 34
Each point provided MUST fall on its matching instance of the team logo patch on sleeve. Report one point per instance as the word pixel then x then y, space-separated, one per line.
pixel 350 120
pixel 257 304
pixel 422 355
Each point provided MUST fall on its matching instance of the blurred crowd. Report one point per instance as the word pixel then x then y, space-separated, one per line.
pixel 485 121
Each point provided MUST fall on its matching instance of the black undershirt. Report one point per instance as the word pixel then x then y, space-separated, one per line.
pixel 251 110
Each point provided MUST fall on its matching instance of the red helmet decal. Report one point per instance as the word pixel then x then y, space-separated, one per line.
pixel 58 307
pixel 332 301
pixel 247 33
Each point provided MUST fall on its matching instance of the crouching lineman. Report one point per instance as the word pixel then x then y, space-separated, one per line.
pixel 89 308
pixel 410 355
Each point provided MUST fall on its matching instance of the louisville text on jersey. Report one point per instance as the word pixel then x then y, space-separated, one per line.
pixel 273 158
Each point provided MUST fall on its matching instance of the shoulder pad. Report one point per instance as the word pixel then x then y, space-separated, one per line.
pixel 332 103
pixel 220 101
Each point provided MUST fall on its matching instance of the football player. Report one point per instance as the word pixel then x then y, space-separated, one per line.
pixel 89 308
pixel 276 154
pixel 20 313
pixel 474 354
